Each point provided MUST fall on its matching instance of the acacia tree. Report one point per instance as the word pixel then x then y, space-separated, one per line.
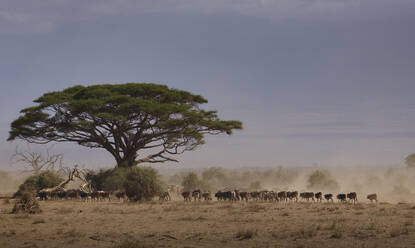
pixel 128 120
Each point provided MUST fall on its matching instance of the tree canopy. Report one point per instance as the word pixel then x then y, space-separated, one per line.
pixel 128 120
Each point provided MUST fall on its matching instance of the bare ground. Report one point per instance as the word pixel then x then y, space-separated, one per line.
pixel 209 224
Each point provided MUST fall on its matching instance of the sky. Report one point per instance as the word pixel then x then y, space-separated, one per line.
pixel 328 82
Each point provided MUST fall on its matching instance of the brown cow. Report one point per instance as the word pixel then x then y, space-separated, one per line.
pixel 352 196
pixel 244 196
pixel 372 197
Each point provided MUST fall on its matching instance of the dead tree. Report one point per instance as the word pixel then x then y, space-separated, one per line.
pixel 36 162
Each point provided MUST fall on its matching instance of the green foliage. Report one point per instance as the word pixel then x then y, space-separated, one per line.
pixel 46 179
pixel 123 119
pixel 142 183
pixel 111 179
pixel 410 161
pixel 322 180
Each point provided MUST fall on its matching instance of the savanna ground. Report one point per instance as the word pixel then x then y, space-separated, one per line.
pixel 209 224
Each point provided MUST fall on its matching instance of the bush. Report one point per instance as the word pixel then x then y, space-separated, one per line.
pixel 27 204
pixel 46 179
pixel 142 183
pixel 112 179
pixel 321 180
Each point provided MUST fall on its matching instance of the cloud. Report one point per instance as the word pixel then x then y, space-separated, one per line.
pixel 28 16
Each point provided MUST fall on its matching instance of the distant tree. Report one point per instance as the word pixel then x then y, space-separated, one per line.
pixel 410 161
pixel 127 120
pixel 36 162
pixel 191 182
pixel 322 180
pixel 256 185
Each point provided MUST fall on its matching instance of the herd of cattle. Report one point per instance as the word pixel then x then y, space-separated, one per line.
pixel 198 195
pixel 74 194
pixel 271 196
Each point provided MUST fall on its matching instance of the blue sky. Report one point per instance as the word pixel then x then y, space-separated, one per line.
pixel 317 81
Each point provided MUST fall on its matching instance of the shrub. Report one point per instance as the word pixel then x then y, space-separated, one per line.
pixel 27 204
pixel 142 183
pixel 112 179
pixel 46 179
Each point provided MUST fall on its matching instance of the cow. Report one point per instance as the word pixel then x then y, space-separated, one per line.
pixel 219 196
pixel 72 194
pixel 43 195
pixel 341 197
pixel 120 195
pixel 291 195
pixel 307 195
pixel 255 195
pixel 328 197
pixel 352 196
pixel 197 194
pixel 319 196
pixel 84 195
pixel 244 196
pixel 282 196
pixel 372 197
pixel 187 196
pixel 207 196
pixel 165 196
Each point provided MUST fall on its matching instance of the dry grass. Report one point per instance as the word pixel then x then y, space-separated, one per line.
pixel 197 224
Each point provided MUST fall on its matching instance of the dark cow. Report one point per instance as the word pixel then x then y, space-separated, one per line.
pixel 319 196
pixel 43 195
pixel 72 194
pixel 219 196
pixel 291 195
pixel 187 196
pixel 84 195
pixel 341 197
pixel 282 196
pixel 307 195
pixel 352 196
pixel 328 197
pixel 120 195
pixel 207 196
pixel 372 197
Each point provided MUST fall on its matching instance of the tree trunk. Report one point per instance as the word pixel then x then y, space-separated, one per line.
pixel 127 161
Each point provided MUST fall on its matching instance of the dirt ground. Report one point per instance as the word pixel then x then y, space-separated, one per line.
pixel 209 224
